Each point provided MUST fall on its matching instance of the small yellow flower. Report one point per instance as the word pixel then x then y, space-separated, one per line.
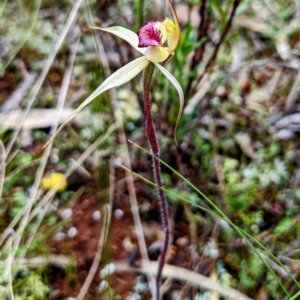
pixel 52 180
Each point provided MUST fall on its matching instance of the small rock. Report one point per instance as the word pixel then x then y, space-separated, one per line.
pixel 119 213
pixel 72 232
pixel 96 215
pixel 285 134
pixel 103 285
pixel 66 213
pixel 182 242
pixel 109 269
pixel 59 237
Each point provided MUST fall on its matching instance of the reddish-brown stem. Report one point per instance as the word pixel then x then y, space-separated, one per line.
pixel 154 146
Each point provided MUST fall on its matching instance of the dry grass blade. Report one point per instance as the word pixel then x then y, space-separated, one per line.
pixel 2 166
pixel 102 239
pixel 41 169
pixel 60 104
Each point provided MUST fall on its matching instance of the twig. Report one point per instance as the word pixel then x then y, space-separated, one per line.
pixel 38 261
pixel 185 275
pixel 2 166
pixel 293 95
pixel 38 118
pixel 18 94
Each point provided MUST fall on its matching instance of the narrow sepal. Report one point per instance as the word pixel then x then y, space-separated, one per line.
pixel 118 78
pixel 176 84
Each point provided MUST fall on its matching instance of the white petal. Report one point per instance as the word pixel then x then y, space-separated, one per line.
pixel 176 84
pixel 125 34
pixel 118 78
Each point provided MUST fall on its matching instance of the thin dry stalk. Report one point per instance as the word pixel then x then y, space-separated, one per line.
pixel 43 162
pixel 102 239
pixel 2 166
pixel 60 104
pixel 19 93
pixel 185 275
pixel 9 275
pixel 293 95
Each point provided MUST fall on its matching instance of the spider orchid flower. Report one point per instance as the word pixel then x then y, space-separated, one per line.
pixel 156 41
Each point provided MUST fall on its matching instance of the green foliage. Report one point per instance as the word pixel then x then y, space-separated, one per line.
pixel 31 287
pixel 251 271
pixel 284 226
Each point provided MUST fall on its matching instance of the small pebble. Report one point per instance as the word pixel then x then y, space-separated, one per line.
pixel 109 269
pixel 59 237
pixel 55 203
pixel 119 213
pixel 254 228
pixel 54 159
pixel 127 244
pixel 285 134
pixel 103 285
pixel 96 215
pixel 182 242
pixel 72 232
pixel 66 213
pixel 214 253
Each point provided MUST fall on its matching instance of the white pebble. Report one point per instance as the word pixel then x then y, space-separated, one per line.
pixel 59 237
pixel 72 232
pixel 66 213
pixel 96 215
pixel 109 269
pixel 54 159
pixel 119 213
pixel 103 285
pixel 285 134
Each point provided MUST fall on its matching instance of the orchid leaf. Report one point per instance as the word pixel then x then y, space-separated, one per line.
pixel 124 34
pixel 118 78
pixel 177 86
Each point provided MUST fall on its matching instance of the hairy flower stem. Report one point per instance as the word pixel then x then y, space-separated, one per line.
pixel 154 146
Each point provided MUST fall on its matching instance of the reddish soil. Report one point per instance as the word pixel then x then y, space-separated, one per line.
pixel 83 248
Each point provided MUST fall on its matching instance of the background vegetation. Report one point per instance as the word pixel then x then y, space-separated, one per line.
pixel 72 219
